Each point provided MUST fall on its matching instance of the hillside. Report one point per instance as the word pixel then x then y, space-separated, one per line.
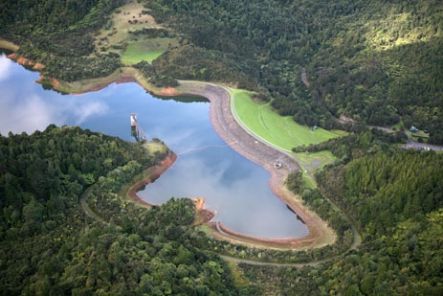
pixel 376 62
pixel 49 246
pixel 395 199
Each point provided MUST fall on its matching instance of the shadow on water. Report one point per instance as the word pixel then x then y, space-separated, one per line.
pixel 184 98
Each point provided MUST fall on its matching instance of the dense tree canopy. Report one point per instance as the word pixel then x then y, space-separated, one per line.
pixel 374 61
pixel 48 246
pixel 59 34
pixel 395 199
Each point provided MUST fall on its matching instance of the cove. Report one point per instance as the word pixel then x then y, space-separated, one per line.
pixel 234 187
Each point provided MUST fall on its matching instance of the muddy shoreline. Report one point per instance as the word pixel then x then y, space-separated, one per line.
pixel 226 126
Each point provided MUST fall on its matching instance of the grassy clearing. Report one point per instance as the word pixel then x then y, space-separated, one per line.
pixel 122 35
pixel 315 161
pixel 133 56
pixel 118 32
pixel 146 50
pixel 281 131
pixel 311 163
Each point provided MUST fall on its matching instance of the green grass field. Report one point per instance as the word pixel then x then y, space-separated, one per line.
pixel 145 50
pixel 281 131
pixel 284 133
pixel 313 161
pixel 137 52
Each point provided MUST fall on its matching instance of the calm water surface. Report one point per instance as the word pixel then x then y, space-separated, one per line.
pixel 234 187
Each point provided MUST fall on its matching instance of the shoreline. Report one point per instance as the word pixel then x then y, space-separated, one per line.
pixel 231 131
pixel 151 174
pixel 250 147
pixel 203 215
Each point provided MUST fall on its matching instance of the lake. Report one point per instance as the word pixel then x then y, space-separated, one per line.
pixel 234 187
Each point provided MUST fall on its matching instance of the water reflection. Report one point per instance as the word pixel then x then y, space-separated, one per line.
pixel 232 186
pixel 26 107
pixel 5 68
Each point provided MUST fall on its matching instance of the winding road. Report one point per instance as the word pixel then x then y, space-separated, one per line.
pixel 264 154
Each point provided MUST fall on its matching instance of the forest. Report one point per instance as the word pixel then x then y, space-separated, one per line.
pixel 360 62
pixel 395 199
pixel 59 34
pixel 48 246
pixel 375 62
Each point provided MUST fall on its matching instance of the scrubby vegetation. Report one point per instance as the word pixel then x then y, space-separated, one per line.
pixel 48 246
pixel 356 144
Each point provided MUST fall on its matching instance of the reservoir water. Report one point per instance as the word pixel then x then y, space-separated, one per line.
pixel 234 187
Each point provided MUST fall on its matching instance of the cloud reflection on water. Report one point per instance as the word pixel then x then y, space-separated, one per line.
pixel 242 205
pixel 233 186
pixel 34 113
pixel 26 107
pixel 5 67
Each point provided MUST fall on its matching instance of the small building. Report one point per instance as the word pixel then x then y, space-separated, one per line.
pixel 413 129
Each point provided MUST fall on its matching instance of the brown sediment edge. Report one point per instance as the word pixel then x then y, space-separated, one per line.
pixel 203 215
pixel 227 127
pixel 281 243
pixel 26 62
pixel 10 46
pixel 152 174
pixel 251 147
